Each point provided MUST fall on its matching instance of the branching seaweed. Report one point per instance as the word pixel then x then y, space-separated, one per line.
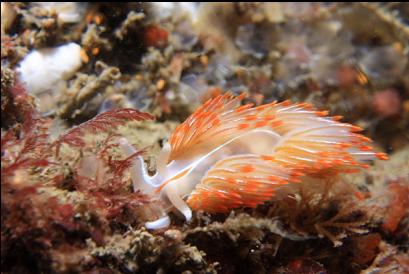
pixel 103 122
pixel 25 145
pixel 326 208
pixel 46 203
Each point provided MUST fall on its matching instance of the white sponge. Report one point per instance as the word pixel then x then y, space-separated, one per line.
pixel 42 70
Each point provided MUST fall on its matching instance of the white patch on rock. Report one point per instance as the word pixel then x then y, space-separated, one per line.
pixel 67 12
pixel 45 71
pixel 166 9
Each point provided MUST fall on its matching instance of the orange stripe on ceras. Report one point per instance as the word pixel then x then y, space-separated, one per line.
pixel 251 186
pixel 276 124
pixel 185 128
pixel 251 117
pixel 381 156
pixel 247 168
pixel 261 107
pixel 231 180
pixel 361 137
pixel 285 103
pixel 216 122
pixel 243 126
pixel 212 116
pixel 322 113
pixel 344 145
pixel 267 157
pixel 307 106
pixel 177 176
pixel 243 108
pixel 356 128
pixel 261 124
pixel 269 117
pixel 365 148
pixel 242 96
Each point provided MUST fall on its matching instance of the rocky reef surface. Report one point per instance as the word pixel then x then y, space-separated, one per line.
pixel 77 76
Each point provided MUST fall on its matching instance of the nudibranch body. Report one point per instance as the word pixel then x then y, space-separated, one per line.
pixel 226 155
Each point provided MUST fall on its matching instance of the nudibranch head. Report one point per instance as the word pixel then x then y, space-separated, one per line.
pixel 227 155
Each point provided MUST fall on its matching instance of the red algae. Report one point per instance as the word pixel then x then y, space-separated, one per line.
pixel 45 196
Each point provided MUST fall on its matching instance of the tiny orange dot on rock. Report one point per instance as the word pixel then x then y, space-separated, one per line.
pixel 204 60
pixel 88 18
pixel 160 84
pixel 84 56
pixel 98 19
pixel 95 51
pixel 398 47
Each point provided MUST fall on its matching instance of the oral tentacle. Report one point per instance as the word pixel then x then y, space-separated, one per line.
pixel 162 160
pixel 139 175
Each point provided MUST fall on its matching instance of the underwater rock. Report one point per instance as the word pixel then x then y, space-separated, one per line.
pixel 67 12
pixel 252 40
pixel 139 251
pixel 389 260
pixel 85 87
pixel 384 63
pixel 167 9
pixel 184 37
pixel 8 14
